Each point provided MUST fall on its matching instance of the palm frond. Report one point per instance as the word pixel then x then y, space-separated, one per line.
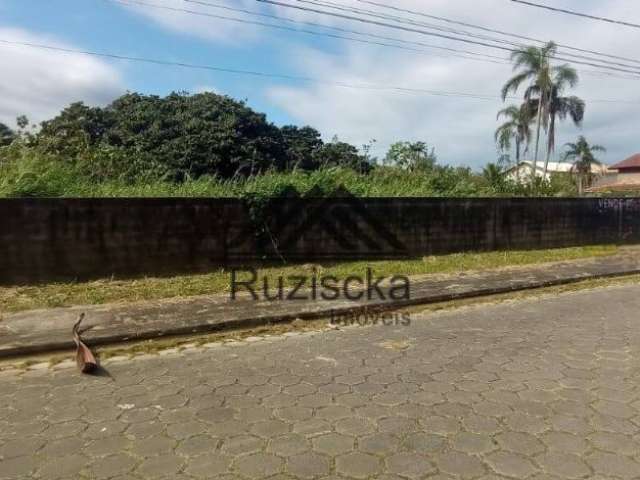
pixel 513 84
pixel 573 107
pixel 549 50
pixel 511 112
pixel 529 57
pixel 565 75
pixel 503 135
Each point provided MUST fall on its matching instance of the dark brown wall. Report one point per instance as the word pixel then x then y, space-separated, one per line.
pixel 43 240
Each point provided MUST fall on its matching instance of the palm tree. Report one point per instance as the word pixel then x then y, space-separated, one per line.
pixel 517 127
pixel 581 154
pixel 535 66
pixel 494 176
pixel 560 107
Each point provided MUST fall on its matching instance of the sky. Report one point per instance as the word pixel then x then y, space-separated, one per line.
pixel 38 82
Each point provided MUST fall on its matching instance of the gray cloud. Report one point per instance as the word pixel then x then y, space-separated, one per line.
pixel 38 83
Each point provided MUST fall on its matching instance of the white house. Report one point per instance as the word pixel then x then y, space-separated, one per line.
pixel 524 170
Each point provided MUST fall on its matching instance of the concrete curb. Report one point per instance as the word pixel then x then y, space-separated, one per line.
pixel 112 334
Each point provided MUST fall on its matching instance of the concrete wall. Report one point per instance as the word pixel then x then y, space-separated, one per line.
pixel 629 175
pixel 62 239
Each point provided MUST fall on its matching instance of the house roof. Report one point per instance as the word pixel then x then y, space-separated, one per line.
pixel 552 167
pixel 631 162
pixel 556 167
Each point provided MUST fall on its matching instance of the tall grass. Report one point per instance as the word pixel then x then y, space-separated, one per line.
pixel 26 173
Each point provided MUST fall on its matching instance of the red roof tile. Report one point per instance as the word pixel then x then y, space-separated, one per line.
pixel 631 162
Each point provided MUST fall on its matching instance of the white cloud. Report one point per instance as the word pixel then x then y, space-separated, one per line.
pixel 205 89
pixel 175 18
pixel 461 129
pixel 38 83
pixel 201 18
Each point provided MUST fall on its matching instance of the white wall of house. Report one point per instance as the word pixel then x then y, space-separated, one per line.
pixel 524 170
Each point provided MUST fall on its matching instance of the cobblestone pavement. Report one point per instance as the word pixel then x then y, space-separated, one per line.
pixel 539 389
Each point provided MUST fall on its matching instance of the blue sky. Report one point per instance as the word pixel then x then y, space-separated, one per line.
pixel 103 26
pixel 39 83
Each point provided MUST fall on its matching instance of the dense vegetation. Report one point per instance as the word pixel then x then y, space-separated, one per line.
pixel 26 172
pixel 545 104
pixel 212 145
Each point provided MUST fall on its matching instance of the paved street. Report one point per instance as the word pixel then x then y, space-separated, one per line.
pixel 538 389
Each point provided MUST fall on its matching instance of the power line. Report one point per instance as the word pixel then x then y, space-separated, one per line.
pixel 247 72
pixel 577 14
pixel 215 68
pixel 424 32
pixel 492 30
pixel 481 56
pixel 489 58
pixel 404 20
pixel 331 27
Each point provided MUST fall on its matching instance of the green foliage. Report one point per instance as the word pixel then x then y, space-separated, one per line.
pixel 547 82
pixel 517 127
pixel 24 173
pixel 494 177
pixel 75 130
pixel 182 137
pixel 22 121
pixel 302 147
pixel 582 155
pixel 177 137
pixel 208 145
pixel 341 154
pixel 412 156
pixel 6 135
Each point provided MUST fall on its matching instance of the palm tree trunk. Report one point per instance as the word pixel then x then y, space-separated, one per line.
pixel 580 184
pixel 539 124
pixel 518 159
pixel 550 142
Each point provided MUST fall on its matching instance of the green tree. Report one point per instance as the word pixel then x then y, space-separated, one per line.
pixel 412 156
pixel 494 176
pixel 302 147
pixel 534 66
pixel 366 152
pixel 195 135
pixel 560 107
pixel 581 154
pixel 517 127
pixel 76 129
pixel 184 136
pixel 180 135
pixel 6 135
pixel 341 154
pixel 22 121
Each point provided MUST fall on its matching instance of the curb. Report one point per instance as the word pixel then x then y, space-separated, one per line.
pixel 258 321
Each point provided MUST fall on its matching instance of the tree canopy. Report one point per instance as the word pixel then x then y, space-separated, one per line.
pixel 411 156
pixel 547 83
pixel 6 135
pixel 581 154
pixel 186 136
